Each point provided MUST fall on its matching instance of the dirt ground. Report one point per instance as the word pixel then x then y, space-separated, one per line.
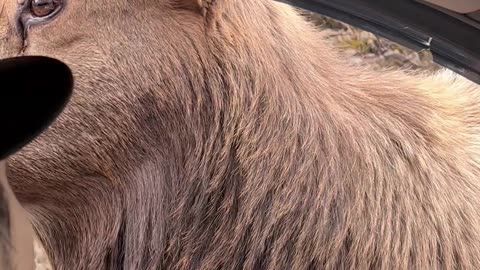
pixel 361 47
pixel 41 260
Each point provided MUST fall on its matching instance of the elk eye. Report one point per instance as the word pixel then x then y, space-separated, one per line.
pixel 42 8
pixel 35 12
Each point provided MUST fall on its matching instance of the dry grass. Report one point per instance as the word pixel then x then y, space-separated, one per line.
pixel 365 48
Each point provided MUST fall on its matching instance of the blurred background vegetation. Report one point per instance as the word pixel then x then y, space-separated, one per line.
pixel 365 48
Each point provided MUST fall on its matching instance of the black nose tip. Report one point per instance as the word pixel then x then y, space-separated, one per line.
pixel 33 91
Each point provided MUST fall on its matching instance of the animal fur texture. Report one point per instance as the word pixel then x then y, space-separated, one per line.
pixel 228 134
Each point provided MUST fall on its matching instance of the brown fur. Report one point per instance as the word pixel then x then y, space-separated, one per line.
pixel 230 136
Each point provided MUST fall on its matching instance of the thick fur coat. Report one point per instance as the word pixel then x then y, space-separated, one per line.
pixel 228 135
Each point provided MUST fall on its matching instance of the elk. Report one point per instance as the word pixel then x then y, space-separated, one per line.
pixel 27 107
pixel 228 134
